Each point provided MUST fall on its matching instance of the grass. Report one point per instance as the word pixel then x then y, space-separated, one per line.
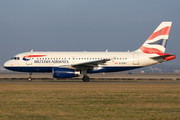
pixel 95 101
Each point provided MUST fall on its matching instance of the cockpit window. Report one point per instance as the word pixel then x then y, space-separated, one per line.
pixel 15 58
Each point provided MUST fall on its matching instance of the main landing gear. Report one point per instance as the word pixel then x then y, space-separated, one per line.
pixel 85 78
pixel 29 78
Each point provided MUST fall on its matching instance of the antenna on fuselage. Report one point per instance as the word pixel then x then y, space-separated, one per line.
pixel 32 50
pixel 107 50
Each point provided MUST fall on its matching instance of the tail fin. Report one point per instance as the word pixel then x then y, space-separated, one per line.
pixel 156 43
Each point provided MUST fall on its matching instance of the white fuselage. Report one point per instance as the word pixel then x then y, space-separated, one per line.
pixel 45 61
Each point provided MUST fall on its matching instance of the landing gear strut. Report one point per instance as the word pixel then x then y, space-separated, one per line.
pixel 85 78
pixel 29 79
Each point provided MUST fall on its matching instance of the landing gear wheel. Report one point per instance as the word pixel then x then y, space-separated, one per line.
pixel 85 79
pixel 29 79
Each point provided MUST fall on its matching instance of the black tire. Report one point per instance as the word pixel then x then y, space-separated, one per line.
pixel 86 79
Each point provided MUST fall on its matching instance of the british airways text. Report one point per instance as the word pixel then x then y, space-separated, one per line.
pixel 51 61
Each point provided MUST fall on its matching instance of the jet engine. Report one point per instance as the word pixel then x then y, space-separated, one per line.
pixel 65 73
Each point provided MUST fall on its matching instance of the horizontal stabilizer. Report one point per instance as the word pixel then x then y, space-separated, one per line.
pixel 165 57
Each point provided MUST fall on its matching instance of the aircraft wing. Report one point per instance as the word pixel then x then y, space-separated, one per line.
pixel 91 63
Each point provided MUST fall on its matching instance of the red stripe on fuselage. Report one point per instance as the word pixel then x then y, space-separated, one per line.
pixel 34 56
pixel 163 31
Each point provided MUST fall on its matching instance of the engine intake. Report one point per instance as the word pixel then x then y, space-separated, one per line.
pixel 65 73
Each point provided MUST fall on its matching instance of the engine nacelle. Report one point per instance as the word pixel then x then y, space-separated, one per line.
pixel 65 73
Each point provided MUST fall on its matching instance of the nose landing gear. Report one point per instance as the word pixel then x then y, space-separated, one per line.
pixel 29 78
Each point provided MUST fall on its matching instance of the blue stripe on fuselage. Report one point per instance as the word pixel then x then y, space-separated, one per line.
pixel 116 69
pixel 30 69
pixel 49 69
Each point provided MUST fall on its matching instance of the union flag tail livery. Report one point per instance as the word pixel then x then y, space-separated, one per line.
pixel 72 64
pixel 157 42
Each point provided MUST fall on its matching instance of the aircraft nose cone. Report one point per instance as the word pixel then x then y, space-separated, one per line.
pixel 7 64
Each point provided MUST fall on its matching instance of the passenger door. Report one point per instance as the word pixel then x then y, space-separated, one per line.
pixel 136 59
pixel 29 59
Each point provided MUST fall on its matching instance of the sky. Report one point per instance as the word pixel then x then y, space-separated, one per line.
pixel 84 25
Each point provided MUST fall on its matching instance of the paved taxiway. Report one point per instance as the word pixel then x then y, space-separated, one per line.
pixel 93 82
pixel 99 75
pixel 109 78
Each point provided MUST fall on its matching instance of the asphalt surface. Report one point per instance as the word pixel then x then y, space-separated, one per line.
pixel 109 78
pixel 94 82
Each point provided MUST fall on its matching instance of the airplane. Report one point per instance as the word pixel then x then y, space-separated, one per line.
pixel 73 64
